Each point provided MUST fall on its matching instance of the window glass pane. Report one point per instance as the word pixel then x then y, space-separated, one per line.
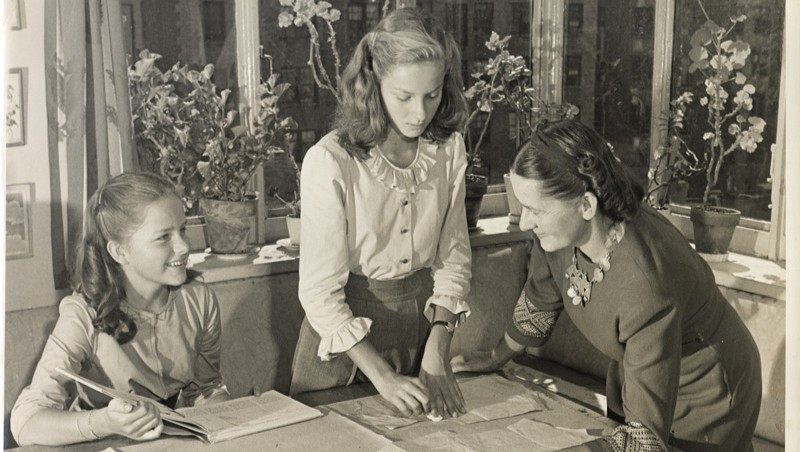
pixel 193 33
pixel 608 73
pixel 471 23
pixel 744 181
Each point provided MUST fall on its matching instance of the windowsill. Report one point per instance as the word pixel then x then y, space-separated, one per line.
pixel 272 259
pixel 751 274
pixel 746 273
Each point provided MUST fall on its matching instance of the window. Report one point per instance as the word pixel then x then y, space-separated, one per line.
pixel 605 78
pixel 572 70
pixel 193 34
pixel 745 181
pixel 455 19
pixel 643 18
pixel 574 17
pixel 521 18
pixel 607 69
pixel 482 23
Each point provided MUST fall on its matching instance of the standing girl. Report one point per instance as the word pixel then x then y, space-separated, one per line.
pixel 133 323
pixel 384 224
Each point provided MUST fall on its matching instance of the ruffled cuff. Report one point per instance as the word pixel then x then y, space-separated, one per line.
pixel 456 305
pixel 344 339
pixel 529 325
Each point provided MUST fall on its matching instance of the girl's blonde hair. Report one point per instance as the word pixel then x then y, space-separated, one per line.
pixel 113 212
pixel 404 36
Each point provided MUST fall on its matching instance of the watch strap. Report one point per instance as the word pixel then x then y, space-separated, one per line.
pixel 449 326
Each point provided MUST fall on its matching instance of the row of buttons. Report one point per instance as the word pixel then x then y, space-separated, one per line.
pixel 404 230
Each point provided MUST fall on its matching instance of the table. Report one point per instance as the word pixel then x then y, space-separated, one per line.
pixel 342 429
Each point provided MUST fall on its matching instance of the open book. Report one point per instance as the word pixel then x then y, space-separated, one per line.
pixel 220 421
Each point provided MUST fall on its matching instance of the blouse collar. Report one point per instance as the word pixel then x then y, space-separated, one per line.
pixel 404 180
pixel 143 315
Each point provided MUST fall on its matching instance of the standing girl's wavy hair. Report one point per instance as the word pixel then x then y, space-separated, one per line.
pixel 570 159
pixel 114 212
pixel 404 36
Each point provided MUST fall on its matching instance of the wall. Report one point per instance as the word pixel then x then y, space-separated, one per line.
pixel 29 281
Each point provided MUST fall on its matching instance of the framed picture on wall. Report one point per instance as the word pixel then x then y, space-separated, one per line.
pixel 15 107
pixel 14 13
pixel 19 241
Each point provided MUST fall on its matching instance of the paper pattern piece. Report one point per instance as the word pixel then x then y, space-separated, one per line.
pixel 513 406
pixel 375 412
pixel 526 434
pixel 545 437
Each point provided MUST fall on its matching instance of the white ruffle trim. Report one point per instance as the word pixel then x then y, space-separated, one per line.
pixel 404 180
pixel 344 339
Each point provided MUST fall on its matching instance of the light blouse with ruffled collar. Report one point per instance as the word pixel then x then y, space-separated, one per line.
pixel 373 218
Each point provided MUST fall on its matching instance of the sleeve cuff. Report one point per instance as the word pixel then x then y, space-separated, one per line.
pixel 344 339
pixel 530 326
pixel 453 304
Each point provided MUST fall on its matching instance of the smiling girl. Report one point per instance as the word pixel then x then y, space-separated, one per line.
pixel 385 260
pixel 132 323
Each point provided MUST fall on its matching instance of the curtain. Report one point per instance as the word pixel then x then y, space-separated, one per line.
pixel 89 125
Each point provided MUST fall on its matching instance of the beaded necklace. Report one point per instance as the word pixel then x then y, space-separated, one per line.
pixel 580 286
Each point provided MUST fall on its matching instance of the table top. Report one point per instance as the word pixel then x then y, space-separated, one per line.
pixel 350 421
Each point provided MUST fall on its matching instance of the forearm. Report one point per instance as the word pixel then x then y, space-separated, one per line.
pixel 52 427
pixel 506 349
pixel 367 359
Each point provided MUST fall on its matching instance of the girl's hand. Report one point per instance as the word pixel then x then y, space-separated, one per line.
pixel 407 394
pixel 142 422
pixel 437 375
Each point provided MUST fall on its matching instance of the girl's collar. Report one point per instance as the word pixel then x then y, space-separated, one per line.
pixel 403 180
pixel 143 314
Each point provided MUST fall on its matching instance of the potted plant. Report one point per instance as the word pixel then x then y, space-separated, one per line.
pixel 185 130
pixel 673 160
pixel 504 80
pixel 721 60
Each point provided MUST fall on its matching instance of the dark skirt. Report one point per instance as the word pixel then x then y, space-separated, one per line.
pixel 398 332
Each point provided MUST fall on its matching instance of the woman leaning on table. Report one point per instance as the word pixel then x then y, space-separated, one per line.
pixel 684 370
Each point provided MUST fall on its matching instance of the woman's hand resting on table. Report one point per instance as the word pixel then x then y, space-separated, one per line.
pixel 437 376
pixel 483 361
pixel 141 423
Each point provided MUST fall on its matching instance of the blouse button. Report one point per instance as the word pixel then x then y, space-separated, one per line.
pixel 404 201
pixel 403 230
pixel 404 260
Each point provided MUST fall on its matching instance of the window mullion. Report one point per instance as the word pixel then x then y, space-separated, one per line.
pixel 662 72
pixel 777 237
pixel 547 50
pixel 248 72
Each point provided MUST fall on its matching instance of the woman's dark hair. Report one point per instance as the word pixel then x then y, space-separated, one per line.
pixel 113 212
pixel 570 159
pixel 404 36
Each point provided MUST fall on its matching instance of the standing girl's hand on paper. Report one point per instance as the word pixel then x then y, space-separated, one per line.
pixel 141 422
pixel 437 376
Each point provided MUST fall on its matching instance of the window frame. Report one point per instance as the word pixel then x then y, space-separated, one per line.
pixel 548 31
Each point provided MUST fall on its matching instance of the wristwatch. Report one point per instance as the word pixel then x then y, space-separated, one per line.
pixel 449 326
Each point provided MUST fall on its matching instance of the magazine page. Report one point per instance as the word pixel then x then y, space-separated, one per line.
pixel 219 421
pixel 111 393
pixel 246 415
